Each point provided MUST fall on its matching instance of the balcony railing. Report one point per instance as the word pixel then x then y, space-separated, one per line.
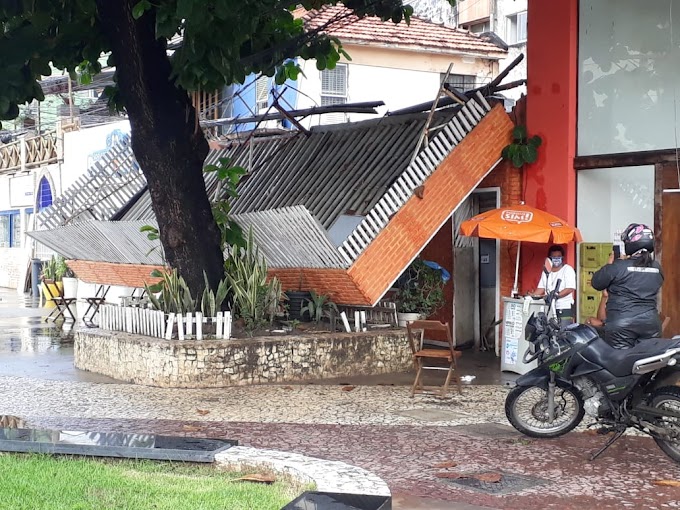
pixel 470 11
pixel 28 153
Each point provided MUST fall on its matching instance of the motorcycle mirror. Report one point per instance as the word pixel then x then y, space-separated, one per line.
pixel 547 265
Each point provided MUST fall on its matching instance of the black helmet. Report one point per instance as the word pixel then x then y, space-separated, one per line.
pixel 638 237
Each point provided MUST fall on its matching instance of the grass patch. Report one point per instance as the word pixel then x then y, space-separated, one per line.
pixel 43 482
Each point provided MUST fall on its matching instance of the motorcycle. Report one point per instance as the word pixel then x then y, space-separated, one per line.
pixel 578 373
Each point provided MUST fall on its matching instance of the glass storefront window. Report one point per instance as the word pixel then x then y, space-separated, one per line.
pixel 609 199
pixel 10 229
pixel 5 232
pixel 16 230
pixel 628 76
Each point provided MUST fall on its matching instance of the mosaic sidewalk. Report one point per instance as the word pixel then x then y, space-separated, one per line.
pixel 379 429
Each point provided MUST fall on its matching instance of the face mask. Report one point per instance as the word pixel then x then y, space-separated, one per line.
pixel 556 261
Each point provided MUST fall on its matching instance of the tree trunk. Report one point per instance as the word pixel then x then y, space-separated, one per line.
pixel 168 143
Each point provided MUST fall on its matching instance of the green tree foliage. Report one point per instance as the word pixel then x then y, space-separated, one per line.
pixel 223 41
pixel 523 150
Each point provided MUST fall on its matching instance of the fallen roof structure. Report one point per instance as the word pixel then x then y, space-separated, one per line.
pixel 346 209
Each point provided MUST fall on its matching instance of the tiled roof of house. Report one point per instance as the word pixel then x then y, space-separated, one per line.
pixel 420 34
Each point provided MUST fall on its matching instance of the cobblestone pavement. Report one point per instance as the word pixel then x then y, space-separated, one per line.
pixel 378 428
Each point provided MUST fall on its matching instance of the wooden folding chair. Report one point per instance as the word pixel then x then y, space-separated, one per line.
pixel 93 303
pixel 416 334
pixel 61 304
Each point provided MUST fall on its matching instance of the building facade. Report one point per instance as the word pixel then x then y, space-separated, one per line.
pixel 603 95
pixel 508 20
pixel 401 65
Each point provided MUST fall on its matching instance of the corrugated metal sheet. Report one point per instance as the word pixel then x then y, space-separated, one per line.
pixel 103 241
pixel 108 185
pixel 291 237
pixel 336 169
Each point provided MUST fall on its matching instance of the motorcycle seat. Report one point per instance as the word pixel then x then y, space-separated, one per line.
pixel 620 361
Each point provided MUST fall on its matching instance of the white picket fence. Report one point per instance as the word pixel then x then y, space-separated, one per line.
pixel 157 324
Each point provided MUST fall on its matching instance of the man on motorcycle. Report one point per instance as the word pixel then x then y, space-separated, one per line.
pixel 632 285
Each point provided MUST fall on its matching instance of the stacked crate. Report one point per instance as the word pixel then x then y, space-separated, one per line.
pixel 592 257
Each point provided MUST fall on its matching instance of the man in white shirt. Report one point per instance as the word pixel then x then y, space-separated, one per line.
pixel 567 275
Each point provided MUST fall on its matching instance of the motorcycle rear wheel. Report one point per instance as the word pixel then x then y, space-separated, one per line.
pixel 534 423
pixel 668 399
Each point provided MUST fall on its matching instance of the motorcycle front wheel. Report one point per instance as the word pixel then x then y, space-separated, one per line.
pixel 526 408
pixel 668 399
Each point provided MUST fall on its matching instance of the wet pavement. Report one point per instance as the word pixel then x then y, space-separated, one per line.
pixel 370 422
pixel 32 347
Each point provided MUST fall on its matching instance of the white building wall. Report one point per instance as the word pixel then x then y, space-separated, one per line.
pixel 398 78
pixel 504 9
pixel 18 192
pixel 81 148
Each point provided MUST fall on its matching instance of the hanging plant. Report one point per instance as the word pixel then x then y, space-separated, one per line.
pixel 522 150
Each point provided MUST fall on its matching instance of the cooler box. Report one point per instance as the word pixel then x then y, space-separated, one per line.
pixel 516 312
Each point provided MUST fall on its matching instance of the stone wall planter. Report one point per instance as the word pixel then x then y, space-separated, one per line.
pixel 219 363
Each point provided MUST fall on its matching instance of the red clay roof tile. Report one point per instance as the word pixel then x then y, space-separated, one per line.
pixel 420 34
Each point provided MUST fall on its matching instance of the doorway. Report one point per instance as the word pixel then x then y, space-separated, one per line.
pixel 476 276
pixel 667 225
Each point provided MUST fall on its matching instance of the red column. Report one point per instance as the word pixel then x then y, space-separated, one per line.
pixel 551 113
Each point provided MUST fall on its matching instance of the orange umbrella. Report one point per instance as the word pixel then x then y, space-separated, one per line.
pixel 520 223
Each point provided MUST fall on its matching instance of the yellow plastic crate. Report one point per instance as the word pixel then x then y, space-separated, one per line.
pixel 585 280
pixel 594 255
pixel 588 305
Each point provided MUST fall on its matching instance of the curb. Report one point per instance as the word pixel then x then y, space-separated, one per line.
pixel 329 476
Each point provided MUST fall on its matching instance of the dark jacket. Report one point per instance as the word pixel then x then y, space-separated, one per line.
pixel 632 289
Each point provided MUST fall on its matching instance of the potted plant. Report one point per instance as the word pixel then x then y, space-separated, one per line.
pixel 68 279
pixel 52 274
pixel 296 302
pixel 420 293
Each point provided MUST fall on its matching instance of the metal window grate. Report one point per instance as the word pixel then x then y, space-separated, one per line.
pixel 462 82
pixel 334 81
pixel 262 93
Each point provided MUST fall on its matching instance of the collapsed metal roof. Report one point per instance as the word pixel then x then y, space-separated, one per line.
pixel 103 241
pixel 336 170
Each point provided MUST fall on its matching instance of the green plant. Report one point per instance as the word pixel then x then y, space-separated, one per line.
pixel 420 290
pixel 173 292
pixel 256 297
pixel 56 269
pixel 211 302
pixel 62 270
pixel 49 269
pixel 319 306
pixel 152 234
pixel 293 324
pixel 522 150
pixel 228 178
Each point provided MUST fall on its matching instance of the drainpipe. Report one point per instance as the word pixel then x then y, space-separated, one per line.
pixel 35 276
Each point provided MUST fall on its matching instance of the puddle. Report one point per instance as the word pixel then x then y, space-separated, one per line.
pixel 31 347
